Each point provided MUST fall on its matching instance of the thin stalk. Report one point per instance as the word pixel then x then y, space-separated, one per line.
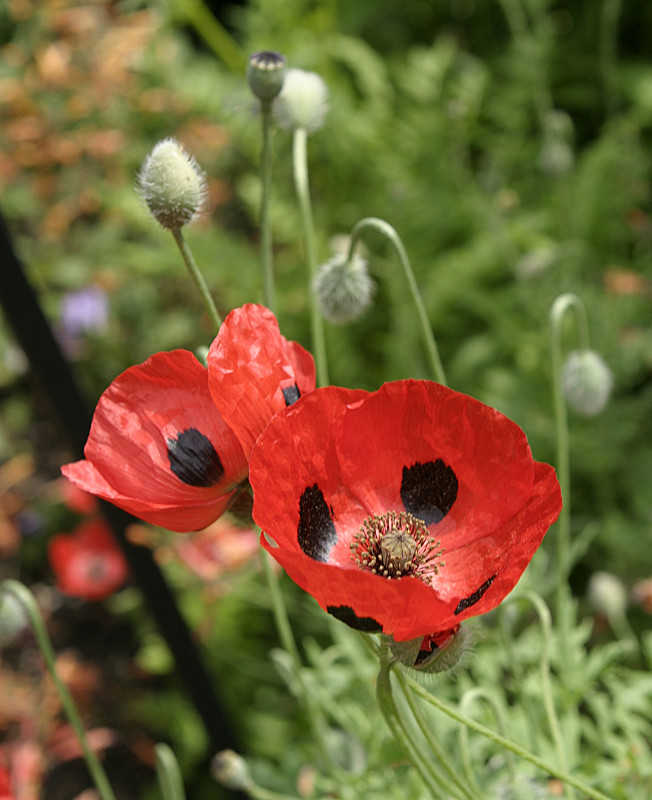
pixel 467 698
pixel 23 594
pixel 300 169
pixel 397 728
pixel 455 786
pixel 265 221
pixel 168 774
pixel 501 741
pixel 313 713
pixel 198 279
pixel 557 311
pixel 546 623
pixel 426 331
pixel 207 26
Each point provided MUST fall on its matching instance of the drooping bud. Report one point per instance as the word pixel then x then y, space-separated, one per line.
pixel 172 184
pixel 607 594
pixel 13 618
pixel 231 770
pixel 586 382
pixel 265 74
pixel 344 288
pixel 303 101
pixel 438 652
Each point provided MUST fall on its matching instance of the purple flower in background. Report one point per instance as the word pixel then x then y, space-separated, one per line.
pixel 84 310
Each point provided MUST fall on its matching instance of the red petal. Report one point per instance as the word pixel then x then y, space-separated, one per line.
pixel 249 366
pixel 127 452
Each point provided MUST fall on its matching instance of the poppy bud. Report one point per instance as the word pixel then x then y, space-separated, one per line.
pixel 438 652
pixel 172 184
pixel 607 594
pixel 231 771
pixel 265 74
pixel 586 381
pixel 344 288
pixel 13 618
pixel 303 101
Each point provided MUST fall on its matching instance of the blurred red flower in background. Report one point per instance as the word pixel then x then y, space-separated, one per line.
pixel 87 562
pixel 404 510
pixel 170 439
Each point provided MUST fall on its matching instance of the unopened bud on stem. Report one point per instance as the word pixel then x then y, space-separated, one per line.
pixel 344 288
pixel 265 74
pixel 172 185
pixel 303 101
pixel 586 382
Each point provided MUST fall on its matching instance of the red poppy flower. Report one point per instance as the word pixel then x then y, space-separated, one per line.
pixel 87 563
pixel 166 447
pixel 405 510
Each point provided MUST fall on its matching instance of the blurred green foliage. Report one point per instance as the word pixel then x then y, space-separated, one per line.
pixel 507 142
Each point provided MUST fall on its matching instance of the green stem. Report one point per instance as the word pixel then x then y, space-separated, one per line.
pixel 300 168
pixel 467 698
pixel 313 713
pixel 168 774
pixel 95 768
pixel 208 27
pixel 455 786
pixel 426 331
pixel 557 311
pixel 397 728
pixel 265 221
pixel 546 623
pixel 198 278
pixel 501 741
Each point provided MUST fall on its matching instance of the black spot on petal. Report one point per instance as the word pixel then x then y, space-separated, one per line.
pixel 291 394
pixel 472 599
pixel 347 615
pixel 316 532
pixel 193 459
pixel 428 490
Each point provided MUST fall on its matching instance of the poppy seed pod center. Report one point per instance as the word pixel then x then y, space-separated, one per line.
pixel 395 545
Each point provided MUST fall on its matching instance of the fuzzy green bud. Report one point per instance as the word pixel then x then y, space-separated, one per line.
pixel 586 382
pixel 607 594
pixel 265 74
pixel 13 618
pixel 231 770
pixel 344 288
pixel 303 101
pixel 172 185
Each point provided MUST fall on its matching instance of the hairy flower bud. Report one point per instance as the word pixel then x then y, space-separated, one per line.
pixel 13 618
pixel 344 288
pixel 303 101
pixel 586 382
pixel 231 771
pixel 607 594
pixel 172 185
pixel 265 74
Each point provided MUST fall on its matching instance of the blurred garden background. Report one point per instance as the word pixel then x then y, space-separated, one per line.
pixel 509 144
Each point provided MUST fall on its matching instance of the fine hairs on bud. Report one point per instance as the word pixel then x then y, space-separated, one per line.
pixel 303 101
pixel 344 288
pixel 586 382
pixel 172 185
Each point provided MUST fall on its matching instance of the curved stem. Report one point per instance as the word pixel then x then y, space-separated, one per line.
pixel 557 311
pixel 456 787
pixel 546 623
pixel 198 278
pixel 168 774
pixel 23 594
pixel 426 331
pixel 300 168
pixel 397 728
pixel 265 221
pixel 466 700
pixel 501 741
